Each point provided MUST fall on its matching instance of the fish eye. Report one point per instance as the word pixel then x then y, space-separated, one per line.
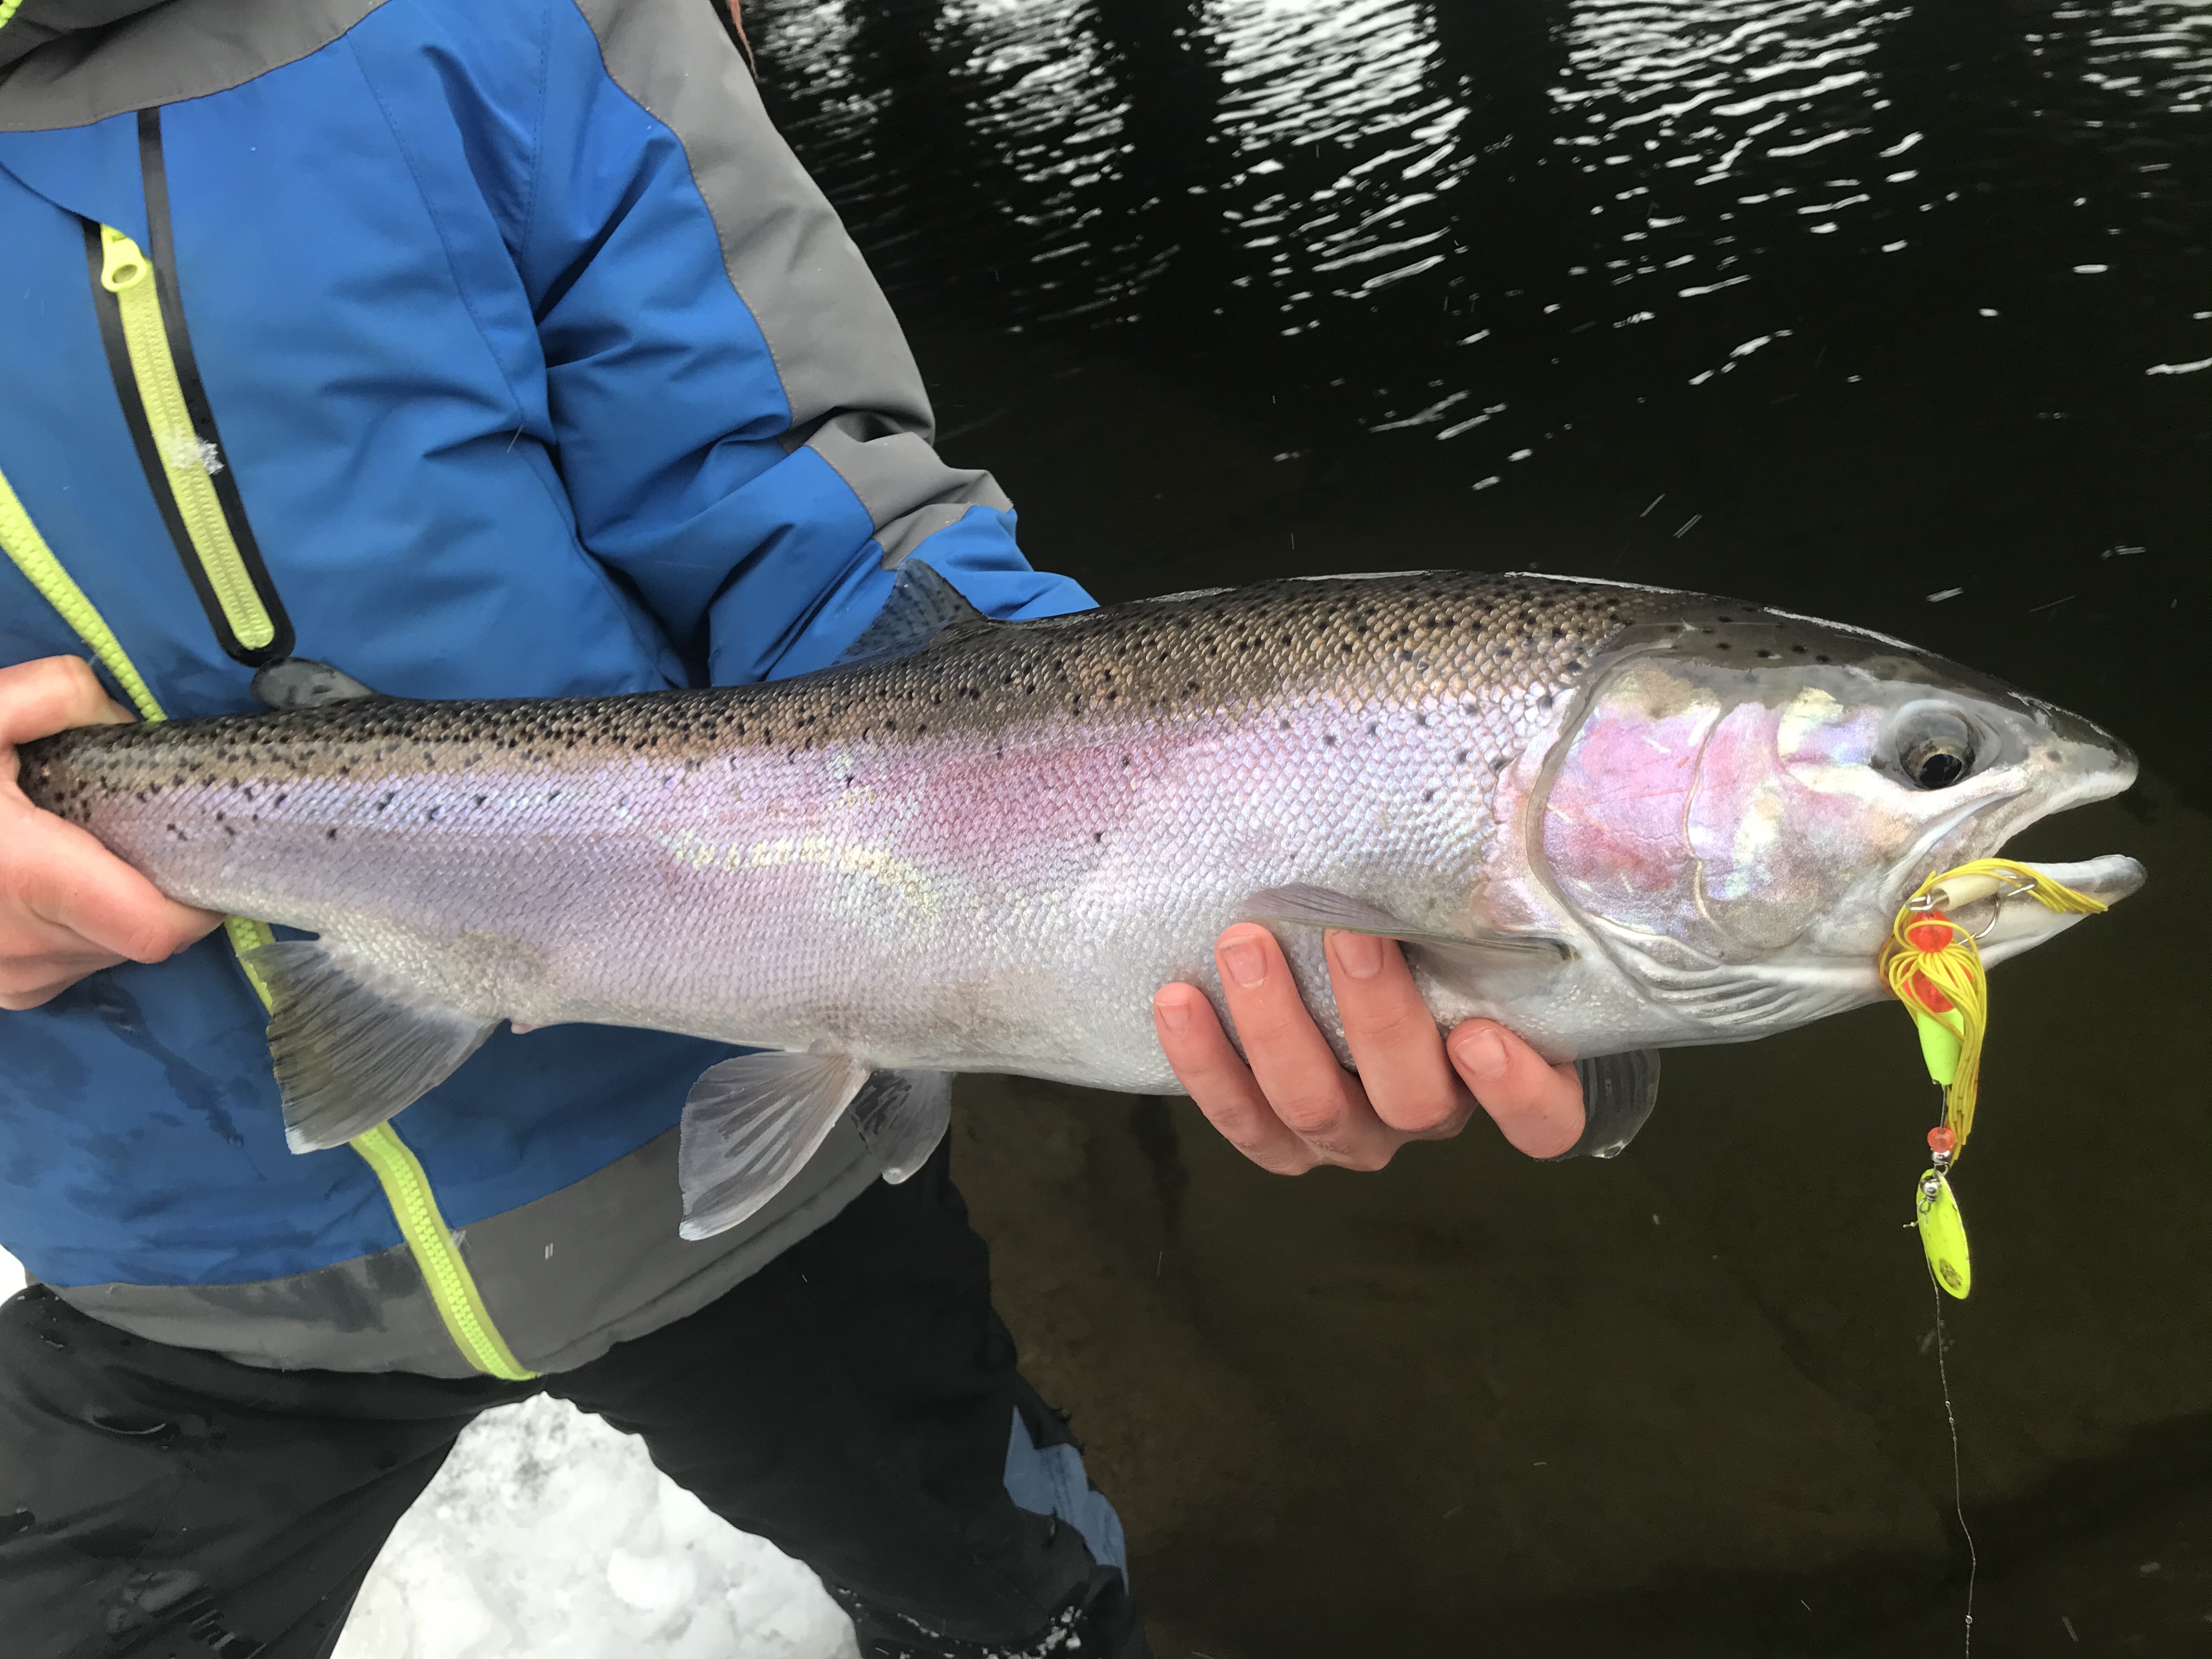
pixel 1935 748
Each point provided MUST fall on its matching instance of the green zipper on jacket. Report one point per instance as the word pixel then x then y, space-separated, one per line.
pixel 127 273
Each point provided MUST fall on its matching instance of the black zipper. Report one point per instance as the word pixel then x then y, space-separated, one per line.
pixel 108 308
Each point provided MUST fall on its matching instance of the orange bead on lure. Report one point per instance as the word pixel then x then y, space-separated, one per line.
pixel 1933 965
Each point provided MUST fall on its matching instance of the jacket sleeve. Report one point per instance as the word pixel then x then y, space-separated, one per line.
pixel 738 419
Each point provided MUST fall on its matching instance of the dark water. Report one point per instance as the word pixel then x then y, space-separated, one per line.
pixel 1898 314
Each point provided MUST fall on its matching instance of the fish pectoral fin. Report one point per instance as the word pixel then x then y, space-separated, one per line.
pixel 901 1116
pixel 922 604
pixel 352 1045
pixel 750 1124
pixel 1473 956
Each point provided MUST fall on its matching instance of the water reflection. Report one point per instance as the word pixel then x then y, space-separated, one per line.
pixel 1450 193
pixel 2159 51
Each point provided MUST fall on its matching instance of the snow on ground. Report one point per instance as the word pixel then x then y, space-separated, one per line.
pixel 550 1535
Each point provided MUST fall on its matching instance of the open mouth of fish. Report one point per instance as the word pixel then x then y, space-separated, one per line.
pixel 2004 918
pixel 2005 924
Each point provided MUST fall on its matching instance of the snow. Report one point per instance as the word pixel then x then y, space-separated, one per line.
pixel 550 1536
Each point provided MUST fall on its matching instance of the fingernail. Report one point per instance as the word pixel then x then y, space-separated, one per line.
pixel 1173 1013
pixel 1483 1054
pixel 1359 955
pixel 1246 961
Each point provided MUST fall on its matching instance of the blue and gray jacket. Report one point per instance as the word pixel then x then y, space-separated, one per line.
pixel 526 361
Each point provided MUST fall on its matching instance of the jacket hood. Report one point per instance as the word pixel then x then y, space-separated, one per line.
pixel 41 20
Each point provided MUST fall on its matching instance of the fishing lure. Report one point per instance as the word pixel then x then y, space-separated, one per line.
pixel 1933 965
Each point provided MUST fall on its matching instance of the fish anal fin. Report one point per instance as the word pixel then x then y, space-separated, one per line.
pixel 1472 957
pixel 351 1045
pixel 901 1117
pixel 750 1124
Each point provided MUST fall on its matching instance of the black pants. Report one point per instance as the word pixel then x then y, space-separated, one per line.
pixel 851 1403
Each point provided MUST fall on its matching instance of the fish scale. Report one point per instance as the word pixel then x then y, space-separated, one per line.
pixel 987 855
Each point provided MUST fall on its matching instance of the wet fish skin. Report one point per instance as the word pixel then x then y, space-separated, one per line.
pixel 1008 830
pixel 987 856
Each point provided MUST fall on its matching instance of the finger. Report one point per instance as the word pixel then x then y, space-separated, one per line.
pixel 38 699
pixel 1394 1038
pixel 1207 1066
pixel 58 874
pixel 1290 1060
pixel 1537 1106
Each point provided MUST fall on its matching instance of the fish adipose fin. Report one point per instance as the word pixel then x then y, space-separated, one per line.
pixel 352 1046
pixel 1474 956
pixel 922 604
pixel 750 1124
pixel 901 1116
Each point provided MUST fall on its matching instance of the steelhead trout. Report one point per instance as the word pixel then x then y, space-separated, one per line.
pixel 1612 818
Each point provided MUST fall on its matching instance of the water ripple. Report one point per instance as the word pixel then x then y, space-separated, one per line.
pixel 1456 199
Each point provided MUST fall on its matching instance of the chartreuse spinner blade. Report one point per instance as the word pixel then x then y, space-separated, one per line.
pixel 1934 967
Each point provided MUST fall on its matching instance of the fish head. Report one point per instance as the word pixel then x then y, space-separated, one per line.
pixel 1741 800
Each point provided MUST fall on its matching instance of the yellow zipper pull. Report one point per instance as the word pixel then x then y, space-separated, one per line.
pixel 121 264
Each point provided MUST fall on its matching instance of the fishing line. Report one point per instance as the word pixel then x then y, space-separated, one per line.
pixel 1958 1484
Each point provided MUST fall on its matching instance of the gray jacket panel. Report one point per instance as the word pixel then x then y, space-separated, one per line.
pixel 847 373
pixel 59 67
pixel 564 1279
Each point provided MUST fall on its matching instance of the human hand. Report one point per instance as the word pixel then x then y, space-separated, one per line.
pixel 67 906
pixel 1294 1107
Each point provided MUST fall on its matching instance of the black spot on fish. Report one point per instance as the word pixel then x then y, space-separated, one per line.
pixel 330 834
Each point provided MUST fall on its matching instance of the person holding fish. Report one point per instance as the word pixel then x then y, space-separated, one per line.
pixel 485 351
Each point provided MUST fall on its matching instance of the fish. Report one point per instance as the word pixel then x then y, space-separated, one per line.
pixel 1615 819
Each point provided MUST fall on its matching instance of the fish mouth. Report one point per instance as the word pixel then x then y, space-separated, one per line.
pixel 2006 925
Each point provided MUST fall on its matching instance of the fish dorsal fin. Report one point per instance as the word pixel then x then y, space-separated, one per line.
pixel 922 604
pixel 1473 957
pixel 750 1124
pixel 901 1116
pixel 303 682
pixel 351 1046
